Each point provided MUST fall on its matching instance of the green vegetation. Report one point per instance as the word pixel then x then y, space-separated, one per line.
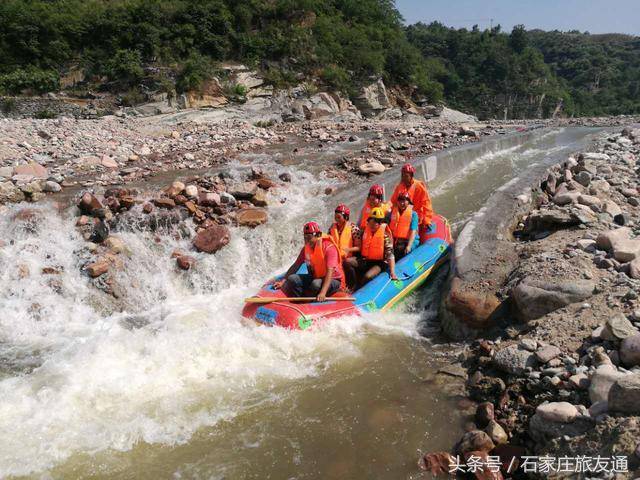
pixel 136 46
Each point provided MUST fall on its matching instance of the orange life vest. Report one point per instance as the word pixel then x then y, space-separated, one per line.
pixel 373 243
pixel 344 239
pixel 315 259
pixel 366 210
pixel 401 223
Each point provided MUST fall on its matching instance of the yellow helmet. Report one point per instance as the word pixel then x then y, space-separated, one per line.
pixel 377 213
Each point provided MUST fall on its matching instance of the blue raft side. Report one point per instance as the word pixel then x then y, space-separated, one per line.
pixel 412 270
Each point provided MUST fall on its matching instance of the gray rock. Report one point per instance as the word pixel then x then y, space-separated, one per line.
pixel 611 208
pixel 10 193
pixel 598 408
pixel 630 351
pixel 589 200
pixel 542 430
pixel 528 344
pixel 566 198
pixel 624 396
pixel 514 360
pixel 583 178
pixel 601 381
pixel 626 250
pixel 535 298
pixel 227 199
pixel 51 187
pixel 620 327
pixel 579 381
pixel 547 353
pixel 562 412
pixel 606 240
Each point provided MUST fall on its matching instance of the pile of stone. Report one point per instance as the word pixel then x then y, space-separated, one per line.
pixel 200 208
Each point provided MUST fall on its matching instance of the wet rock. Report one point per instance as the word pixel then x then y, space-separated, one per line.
pixel 98 268
pixel 630 351
pixel 191 191
pixel 496 433
pixel 601 381
pixel 185 262
pixel 260 199
pixel 514 360
pixel 620 327
pixel 535 298
pixel 10 193
pixel 438 463
pixel 486 389
pixel 89 204
pixel 115 244
pixel 112 204
pixel 285 177
pixel 624 396
pixel 475 440
pixel 485 413
pixel 251 217
pixel 372 167
pixel 244 191
pixel 167 203
pixel 227 198
pixel 265 183
pixel 147 208
pixel 547 353
pixel 212 239
pixel 209 199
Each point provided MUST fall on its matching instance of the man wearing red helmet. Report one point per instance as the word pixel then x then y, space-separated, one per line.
pixel 324 264
pixel 404 226
pixel 373 200
pixel 418 195
pixel 348 237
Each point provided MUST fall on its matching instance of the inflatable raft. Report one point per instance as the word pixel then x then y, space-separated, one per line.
pixel 379 294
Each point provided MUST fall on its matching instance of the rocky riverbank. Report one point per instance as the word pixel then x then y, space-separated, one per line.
pixel 555 370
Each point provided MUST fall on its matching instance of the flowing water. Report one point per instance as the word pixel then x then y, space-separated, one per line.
pixel 169 382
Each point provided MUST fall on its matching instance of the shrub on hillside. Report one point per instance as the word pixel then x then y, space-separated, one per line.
pixel 29 79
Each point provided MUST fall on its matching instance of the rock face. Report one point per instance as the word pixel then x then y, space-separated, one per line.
pixel 534 298
pixel 373 99
pixel 624 396
pixel 514 359
pixel 210 94
pixel 212 239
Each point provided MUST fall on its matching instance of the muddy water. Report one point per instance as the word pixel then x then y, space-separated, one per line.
pixel 169 382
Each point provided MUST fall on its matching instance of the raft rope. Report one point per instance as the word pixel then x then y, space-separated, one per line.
pixel 312 318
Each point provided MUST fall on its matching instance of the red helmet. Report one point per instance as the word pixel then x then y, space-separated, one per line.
pixel 344 210
pixel 312 227
pixel 404 194
pixel 376 190
pixel 408 168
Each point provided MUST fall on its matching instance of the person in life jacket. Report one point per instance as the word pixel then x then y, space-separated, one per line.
pixel 404 227
pixel 375 199
pixel 324 263
pixel 376 251
pixel 419 197
pixel 348 237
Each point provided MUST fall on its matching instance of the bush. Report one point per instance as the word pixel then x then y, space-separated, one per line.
pixel 29 79
pixel 7 105
pixel 280 78
pixel 240 90
pixel 264 123
pixel 45 114
pixel 133 97
pixel 196 70
pixel 336 77
pixel 125 67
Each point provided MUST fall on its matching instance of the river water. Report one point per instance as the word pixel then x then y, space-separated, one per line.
pixel 169 382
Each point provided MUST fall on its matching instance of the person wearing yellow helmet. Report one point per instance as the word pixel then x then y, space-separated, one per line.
pixel 376 249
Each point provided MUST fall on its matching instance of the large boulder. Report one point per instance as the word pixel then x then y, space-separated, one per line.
pixel 619 327
pixel 373 98
pixel 212 239
pixel 372 167
pixel 630 351
pixel 475 440
pixel 210 94
pixel 562 412
pixel 601 381
pixel 624 396
pixel 32 169
pixel 514 360
pixel 607 240
pixel 244 191
pixel 535 298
